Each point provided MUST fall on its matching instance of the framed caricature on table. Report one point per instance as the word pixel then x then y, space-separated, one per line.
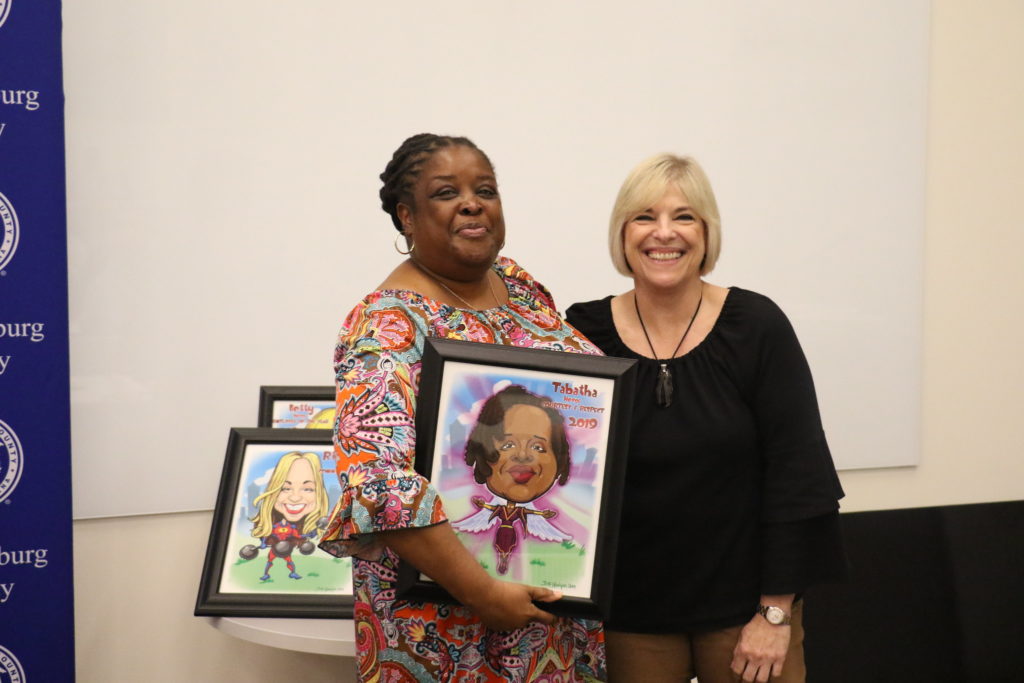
pixel 277 488
pixel 296 407
pixel 527 449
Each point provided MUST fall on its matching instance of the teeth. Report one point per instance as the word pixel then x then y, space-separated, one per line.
pixel 664 255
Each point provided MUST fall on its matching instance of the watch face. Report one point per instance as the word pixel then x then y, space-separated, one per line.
pixel 775 615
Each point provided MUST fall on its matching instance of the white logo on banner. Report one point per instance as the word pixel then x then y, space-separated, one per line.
pixel 5 9
pixel 9 219
pixel 9 664
pixel 10 460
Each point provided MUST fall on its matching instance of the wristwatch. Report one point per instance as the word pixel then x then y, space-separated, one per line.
pixel 776 616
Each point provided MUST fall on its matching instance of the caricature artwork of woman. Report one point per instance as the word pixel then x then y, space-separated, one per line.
pixel 518 448
pixel 292 511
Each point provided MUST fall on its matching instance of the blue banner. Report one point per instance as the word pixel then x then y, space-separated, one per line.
pixel 36 599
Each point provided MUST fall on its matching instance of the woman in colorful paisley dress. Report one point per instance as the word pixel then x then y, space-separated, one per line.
pixel 443 199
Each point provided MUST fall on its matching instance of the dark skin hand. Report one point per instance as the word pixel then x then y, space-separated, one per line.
pixel 438 553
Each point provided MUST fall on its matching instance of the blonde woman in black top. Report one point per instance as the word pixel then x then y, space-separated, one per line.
pixel 731 500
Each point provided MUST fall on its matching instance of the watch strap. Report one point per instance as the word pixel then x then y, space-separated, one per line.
pixel 775 619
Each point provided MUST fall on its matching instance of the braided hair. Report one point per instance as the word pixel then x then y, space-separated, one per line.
pixel 400 174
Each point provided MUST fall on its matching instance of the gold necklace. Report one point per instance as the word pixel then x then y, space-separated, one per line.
pixel 436 278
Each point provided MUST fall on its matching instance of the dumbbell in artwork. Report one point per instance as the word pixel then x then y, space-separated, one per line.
pixel 292 512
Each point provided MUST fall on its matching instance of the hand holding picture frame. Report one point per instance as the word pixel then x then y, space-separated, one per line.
pixel 527 450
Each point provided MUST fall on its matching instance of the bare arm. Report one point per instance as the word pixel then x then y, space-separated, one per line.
pixel 370 455
pixel 437 552
pixel 479 502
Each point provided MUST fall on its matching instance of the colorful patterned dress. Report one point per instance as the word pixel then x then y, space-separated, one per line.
pixel 377 366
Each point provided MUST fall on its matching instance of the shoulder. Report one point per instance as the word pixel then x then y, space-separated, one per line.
pixel 592 315
pixel 401 301
pixel 755 327
pixel 385 320
pixel 753 311
pixel 594 320
pixel 521 283
pixel 511 271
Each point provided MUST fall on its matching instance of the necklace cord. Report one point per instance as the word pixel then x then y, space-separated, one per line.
pixel 664 389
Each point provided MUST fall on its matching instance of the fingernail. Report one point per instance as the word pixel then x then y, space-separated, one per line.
pixel 558 594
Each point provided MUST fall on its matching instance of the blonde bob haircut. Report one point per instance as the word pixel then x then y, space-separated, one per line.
pixel 648 183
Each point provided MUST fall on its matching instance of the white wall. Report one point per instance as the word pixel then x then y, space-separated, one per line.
pixel 973 382
pixel 972 443
pixel 222 190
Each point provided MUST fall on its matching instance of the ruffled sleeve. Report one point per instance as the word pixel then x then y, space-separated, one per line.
pixel 799 554
pixel 800 480
pixel 377 363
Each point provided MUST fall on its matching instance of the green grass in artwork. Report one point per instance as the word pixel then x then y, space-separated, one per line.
pixel 561 566
pixel 320 574
pixel 556 565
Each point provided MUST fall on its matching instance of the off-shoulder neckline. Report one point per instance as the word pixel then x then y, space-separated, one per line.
pixel 499 266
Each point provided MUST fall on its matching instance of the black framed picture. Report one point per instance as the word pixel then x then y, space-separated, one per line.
pixel 527 450
pixel 296 407
pixel 277 488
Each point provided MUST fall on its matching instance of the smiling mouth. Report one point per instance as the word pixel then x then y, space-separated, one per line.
pixel 294 509
pixel 521 475
pixel 472 229
pixel 665 255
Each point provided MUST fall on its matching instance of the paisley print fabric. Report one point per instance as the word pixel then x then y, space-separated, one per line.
pixel 377 365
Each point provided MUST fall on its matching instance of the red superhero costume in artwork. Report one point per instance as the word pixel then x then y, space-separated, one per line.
pixel 506 538
pixel 283 531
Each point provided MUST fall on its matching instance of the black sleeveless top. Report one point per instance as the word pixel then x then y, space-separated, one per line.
pixel 730 492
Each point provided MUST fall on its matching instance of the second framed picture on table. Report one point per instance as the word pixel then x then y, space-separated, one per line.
pixel 527 450
pixel 296 407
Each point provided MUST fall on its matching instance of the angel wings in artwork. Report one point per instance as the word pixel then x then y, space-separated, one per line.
pixel 505 514
pixel 518 449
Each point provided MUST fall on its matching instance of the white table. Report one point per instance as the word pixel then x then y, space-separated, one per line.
pixel 318 636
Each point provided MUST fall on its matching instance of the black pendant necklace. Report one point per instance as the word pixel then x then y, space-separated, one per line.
pixel 663 390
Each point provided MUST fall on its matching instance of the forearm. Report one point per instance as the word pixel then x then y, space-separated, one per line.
pixel 437 552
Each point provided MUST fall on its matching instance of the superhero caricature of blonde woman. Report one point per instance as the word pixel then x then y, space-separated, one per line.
pixel 518 449
pixel 292 511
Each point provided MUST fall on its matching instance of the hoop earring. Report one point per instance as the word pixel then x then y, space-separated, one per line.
pixel 403 253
